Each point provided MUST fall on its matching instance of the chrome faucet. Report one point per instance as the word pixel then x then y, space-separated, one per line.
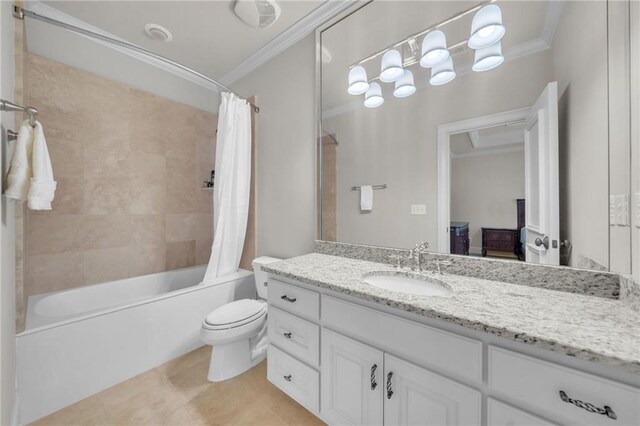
pixel 439 263
pixel 416 252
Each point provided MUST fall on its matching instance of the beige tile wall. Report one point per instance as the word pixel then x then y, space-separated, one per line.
pixel 130 167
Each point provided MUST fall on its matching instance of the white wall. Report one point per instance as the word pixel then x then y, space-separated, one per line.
pixel 7 229
pixel 286 150
pixel 484 190
pixel 635 134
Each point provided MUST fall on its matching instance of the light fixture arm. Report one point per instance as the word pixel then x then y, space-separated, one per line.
pixel 423 32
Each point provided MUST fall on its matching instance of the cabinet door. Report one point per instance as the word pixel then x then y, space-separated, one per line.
pixel 415 396
pixel 351 380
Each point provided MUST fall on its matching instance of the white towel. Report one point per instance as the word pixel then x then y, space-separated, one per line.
pixel 19 175
pixel 43 187
pixel 366 198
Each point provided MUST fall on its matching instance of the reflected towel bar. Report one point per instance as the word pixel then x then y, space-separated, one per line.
pixel 357 188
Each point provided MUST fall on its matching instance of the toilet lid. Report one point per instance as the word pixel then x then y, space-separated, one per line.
pixel 235 313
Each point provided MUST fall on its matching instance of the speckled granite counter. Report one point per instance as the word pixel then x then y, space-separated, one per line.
pixel 587 327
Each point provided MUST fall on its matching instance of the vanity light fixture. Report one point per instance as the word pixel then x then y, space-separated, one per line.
pixel 434 49
pixel 486 27
pixel 405 85
pixel 358 83
pixel 443 73
pixel 488 58
pixel 391 67
pixel 373 98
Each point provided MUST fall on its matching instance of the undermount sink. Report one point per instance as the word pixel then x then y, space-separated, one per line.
pixel 407 283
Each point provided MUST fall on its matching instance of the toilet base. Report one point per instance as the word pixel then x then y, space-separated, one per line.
pixel 232 359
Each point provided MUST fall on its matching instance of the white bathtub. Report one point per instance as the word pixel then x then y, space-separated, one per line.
pixel 81 341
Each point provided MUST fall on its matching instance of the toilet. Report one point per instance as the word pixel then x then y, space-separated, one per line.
pixel 238 330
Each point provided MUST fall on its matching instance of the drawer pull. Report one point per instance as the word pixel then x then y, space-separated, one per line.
pixel 389 391
pixel 607 411
pixel 287 378
pixel 288 299
pixel 287 335
pixel 373 376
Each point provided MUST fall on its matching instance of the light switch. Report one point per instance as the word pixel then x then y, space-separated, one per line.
pixel 623 210
pixel 612 210
pixel 418 209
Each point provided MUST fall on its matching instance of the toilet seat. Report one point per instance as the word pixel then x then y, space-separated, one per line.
pixel 235 314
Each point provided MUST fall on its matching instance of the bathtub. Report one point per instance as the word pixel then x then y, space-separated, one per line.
pixel 78 342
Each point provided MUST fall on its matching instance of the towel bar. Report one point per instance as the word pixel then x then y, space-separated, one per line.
pixel 357 188
pixel 11 107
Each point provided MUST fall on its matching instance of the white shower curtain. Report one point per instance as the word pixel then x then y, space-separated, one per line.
pixel 232 186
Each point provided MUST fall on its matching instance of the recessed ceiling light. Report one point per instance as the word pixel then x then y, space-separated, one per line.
pixel 257 13
pixel 158 32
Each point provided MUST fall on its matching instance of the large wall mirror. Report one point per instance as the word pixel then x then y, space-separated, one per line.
pixel 490 129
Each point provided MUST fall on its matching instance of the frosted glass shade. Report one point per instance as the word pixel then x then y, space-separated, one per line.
pixel 373 98
pixel 391 67
pixel 488 58
pixel 358 83
pixel 486 27
pixel 434 49
pixel 443 73
pixel 404 85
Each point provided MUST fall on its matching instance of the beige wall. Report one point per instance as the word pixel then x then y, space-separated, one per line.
pixel 396 145
pixel 129 167
pixel 583 136
pixel 286 150
pixel 484 190
pixel 7 227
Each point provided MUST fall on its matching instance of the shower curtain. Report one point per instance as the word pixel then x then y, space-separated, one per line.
pixel 232 186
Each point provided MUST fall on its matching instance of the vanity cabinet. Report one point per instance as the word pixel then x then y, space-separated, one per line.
pixel 355 364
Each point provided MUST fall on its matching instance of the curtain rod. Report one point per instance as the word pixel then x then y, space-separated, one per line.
pixel 20 13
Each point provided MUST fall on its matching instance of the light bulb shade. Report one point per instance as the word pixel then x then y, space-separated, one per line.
pixel 486 28
pixel 373 98
pixel 391 68
pixel 488 58
pixel 404 85
pixel 443 73
pixel 434 49
pixel 358 83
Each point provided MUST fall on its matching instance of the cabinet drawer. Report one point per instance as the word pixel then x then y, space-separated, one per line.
pixel 430 347
pixel 294 299
pixel 296 379
pixel 555 391
pixel 501 414
pixel 294 335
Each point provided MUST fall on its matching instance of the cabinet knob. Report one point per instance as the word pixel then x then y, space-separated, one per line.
pixel 287 335
pixel 389 391
pixel 287 378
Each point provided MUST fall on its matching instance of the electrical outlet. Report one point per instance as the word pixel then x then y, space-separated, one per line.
pixel 418 209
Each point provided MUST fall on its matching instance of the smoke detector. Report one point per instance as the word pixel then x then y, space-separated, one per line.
pixel 158 32
pixel 257 13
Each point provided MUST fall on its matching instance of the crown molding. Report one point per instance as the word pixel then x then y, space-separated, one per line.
pixel 287 38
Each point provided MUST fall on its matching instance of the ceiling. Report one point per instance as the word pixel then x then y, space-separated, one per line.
pixel 380 24
pixel 207 35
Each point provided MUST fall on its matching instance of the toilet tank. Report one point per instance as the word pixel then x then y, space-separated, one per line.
pixel 261 276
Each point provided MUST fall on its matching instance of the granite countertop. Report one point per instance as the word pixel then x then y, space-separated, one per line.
pixel 587 327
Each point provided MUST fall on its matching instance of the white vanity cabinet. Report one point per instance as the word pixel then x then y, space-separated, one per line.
pixel 355 364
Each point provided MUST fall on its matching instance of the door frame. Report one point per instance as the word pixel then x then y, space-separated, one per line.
pixel 444 161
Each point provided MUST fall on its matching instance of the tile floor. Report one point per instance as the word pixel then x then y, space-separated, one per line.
pixel 178 393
